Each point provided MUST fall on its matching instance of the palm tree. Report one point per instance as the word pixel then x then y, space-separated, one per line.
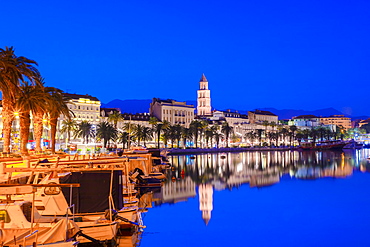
pixel 147 134
pixel 58 105
pixel 38 119
pixel 314 133
pixel 209 133
pixel 138 132
pixel 175 133
pixel 123 138
pixel 195 128
pixel 13 71
pixel 284 132
pixel 31 99
pixel 106 131
pixel 265 124
pixel 159 128
pixel 226 129
pixel 185 134
pixel 84 131
pixel 218 137
pixel 251 135
pixel 292 129
pixel 299 136
pixel 115 117
pixel 68 126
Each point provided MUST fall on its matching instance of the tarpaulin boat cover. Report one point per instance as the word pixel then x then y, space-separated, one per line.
pixel 93 194
pixel 45 235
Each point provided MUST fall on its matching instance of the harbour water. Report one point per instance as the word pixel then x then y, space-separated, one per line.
pixel 272 198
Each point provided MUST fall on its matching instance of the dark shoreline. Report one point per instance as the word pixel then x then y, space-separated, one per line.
pixel 224 150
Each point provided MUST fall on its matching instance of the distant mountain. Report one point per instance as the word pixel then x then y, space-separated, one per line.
pixel 129 105
pixel 142 105
pixel 289 113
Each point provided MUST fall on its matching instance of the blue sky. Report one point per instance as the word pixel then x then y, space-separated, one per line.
pixel 284 54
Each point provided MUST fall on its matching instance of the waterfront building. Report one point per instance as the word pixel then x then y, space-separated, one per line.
pixel 174 112
pixel 363 122
pixel 84 108
pixel 105 112
pixel 305 121
pixel 127 118
pixel 338 120
pixel 204 98
pixel 135 119
pixel 259 116
pixel 231 117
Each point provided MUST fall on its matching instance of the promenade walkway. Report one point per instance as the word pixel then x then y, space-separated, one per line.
pixel 224 150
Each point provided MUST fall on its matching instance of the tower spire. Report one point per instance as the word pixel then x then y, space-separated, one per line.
pixel 204 97
pixel 203 78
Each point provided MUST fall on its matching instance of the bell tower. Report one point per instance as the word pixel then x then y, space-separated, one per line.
pixel 204 98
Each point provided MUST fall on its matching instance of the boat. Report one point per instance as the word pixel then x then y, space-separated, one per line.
pixel 136 150
pixel 142 180
pixel 323 145
pixel 22 225
pixel 353 145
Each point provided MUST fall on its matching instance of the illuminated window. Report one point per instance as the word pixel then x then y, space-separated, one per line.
pixel 4 216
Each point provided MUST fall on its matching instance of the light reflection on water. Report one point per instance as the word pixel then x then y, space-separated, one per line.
pixel 263 192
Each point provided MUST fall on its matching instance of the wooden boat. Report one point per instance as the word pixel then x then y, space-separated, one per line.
pixel 22 225
pixel 353 145
pixel 325 145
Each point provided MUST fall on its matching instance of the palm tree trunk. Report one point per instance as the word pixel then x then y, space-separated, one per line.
pixel 24 122
pixel 53 132
pixel 8 118
pixel 38 128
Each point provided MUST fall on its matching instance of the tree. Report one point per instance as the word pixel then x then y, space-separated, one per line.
pixel 159 127
pixel 107 132
pixel 284 132
pixel 265 124
pixel 259 135
pixel 58 106
pixel 299 136
pixel 251 135
pixel 68 126
pixel 84 131
pixel 292 129
pixel 115 117
pixel 123 137
pixel 185 134
pixel 13 71
pixel 195 127
pixel 218 137
pixel 38 118
pixel 30 99
pixel 147 134
pixel 314 134
pixel 138 132
pixel 226 129
pixel 209 133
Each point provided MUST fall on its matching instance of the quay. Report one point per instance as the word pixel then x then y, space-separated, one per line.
pixel 223 150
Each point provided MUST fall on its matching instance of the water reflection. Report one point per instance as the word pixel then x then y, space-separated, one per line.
pixel 250 167
pixel 203 173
